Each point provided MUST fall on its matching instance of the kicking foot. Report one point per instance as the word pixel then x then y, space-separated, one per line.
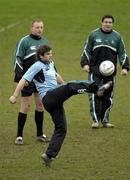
pixel 103 88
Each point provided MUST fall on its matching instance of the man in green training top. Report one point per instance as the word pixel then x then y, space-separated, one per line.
pixel 103 44
pixel 24 57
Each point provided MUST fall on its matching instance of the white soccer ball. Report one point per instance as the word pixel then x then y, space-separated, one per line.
pixel 106 68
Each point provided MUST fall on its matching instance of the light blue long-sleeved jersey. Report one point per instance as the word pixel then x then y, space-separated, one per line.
pixel 43 75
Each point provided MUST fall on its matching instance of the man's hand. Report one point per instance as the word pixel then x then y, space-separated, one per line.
pixel 124 72
pixel 86 68
pixel 13 99
pixel 59 79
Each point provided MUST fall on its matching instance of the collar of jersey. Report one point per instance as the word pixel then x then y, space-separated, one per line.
pixel 44 62
pixel 35 37
pixel 106 32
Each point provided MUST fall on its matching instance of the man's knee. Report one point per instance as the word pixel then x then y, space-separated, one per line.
pixel 25 104
pixel 39 107
pixel 25 108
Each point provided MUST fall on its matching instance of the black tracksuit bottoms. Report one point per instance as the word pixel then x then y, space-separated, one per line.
pixel 53 103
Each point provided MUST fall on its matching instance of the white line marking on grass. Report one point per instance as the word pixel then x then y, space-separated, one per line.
pixel 10 26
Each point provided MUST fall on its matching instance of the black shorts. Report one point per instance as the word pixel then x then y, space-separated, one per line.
pixel 29 90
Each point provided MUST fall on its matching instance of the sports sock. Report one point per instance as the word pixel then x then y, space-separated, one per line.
pixel 39 122
pixel 21 122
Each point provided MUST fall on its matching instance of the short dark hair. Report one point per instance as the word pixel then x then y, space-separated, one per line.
pixel 42 50
pixel 108 16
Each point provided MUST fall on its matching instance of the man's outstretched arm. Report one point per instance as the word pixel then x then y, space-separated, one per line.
pixel 17 91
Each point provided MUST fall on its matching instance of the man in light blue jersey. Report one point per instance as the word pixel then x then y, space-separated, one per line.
pixel 46 79
pixel 24 57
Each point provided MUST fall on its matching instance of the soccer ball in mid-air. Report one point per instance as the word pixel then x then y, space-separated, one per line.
pixel 106 68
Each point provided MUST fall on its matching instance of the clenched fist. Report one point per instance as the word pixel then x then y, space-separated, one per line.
pixel 12 99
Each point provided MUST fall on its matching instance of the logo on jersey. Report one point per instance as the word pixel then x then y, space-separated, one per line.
pixel 98 40
pixel 33 47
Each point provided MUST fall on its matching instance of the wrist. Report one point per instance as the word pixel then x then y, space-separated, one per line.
pixel 15 96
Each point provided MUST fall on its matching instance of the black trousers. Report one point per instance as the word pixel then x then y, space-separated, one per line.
pixel 53 103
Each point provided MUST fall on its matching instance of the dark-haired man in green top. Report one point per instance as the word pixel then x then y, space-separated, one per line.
pixel 103 44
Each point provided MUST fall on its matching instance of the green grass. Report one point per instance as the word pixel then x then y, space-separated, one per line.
pixel 86 154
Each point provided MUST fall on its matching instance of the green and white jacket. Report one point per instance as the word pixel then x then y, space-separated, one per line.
pixel 25 54
pixel 101 46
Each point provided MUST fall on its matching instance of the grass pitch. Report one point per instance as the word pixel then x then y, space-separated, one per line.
pixel 86 154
